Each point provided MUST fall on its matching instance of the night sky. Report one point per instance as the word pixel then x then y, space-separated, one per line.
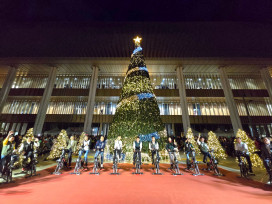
pixel 164 10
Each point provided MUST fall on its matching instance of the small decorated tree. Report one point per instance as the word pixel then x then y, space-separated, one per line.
pixel 58 145
pixel 80 142
pixel 215 145
pixel 255 159
pixel 191 137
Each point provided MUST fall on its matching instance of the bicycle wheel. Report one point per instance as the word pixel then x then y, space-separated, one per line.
pixel 216 170
pixel 8 175
pixel 245 171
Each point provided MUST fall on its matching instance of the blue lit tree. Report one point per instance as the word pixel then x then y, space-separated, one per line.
pixel 137 112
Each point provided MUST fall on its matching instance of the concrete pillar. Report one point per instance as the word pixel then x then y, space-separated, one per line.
pixel 234 116
pixel 40 118
pixel 91 102
pixel 7 86
pixel 183 99
pixel 267 81
pixel 173 128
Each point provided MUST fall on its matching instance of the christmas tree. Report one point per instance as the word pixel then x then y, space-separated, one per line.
pixel 215 145
pixel 80 142
pixel 255 159
pixel 191 138
pixel 58 145
pixel 137 111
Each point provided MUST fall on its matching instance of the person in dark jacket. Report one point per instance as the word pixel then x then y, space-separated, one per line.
pixel 27 149
pixel 266 153
pixel 204 148
pixel 100 146
pixel 188 148
pixel 172 149
pixel 137 148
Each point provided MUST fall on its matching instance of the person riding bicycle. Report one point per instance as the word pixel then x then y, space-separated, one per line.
pixel 204 148
pixel 241 149
pixel 137 148
pixel 154 148
pixel 266 154
pixel 100 146
pixel 72 144
pixel 85 148
pixel 188 148
pixel 172 149
pixel 8 148
pixel 118 147
pixel 27 150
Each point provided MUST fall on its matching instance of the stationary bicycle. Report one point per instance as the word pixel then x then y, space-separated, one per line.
pixel 115 164
pixel 174 163
pixel 137 164
pixel 194 165
pixel 79 166
pixel 244 168
pixel 61 162
pixel 156 162
pixel 97 166
pixel 212 164
pixel 7 169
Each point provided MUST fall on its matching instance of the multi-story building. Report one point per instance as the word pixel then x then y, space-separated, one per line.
pixel 208 76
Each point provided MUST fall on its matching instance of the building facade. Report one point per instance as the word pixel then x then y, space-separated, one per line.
pixel 80 93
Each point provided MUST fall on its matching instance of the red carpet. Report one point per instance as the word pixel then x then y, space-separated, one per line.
pixel 128 188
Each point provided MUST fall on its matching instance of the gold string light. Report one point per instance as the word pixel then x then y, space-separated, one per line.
pixel 191 138
pixel 255 159
pixel 214 144
pixel 58 145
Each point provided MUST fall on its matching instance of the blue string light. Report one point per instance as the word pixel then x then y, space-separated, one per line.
pixel 142 96
pixel 143 68
pixel 138 49
pixel 148 137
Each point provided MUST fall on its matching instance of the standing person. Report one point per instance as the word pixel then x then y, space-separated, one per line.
pixel 266 152
pixel 85 149
pixel 72 144
pixel 8 147
pixel 118 147
pixel 154 147
pixel 27 149
pixel 204 148
pixel 137 148
pixel 100 146
pixel 241 147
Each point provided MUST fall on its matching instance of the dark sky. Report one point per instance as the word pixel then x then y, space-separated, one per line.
pixel 131 10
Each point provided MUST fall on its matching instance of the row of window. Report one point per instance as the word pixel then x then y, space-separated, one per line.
pixel 255 108
pixel 158 82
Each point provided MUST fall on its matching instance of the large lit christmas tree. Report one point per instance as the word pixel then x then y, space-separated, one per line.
pixel 137 111
pixel 59 145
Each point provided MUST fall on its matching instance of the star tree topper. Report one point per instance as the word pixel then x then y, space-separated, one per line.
pixel 137 41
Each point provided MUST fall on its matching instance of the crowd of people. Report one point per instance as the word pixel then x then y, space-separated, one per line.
pixel 43 145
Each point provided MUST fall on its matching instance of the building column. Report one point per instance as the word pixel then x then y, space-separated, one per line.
pixel 267 81
pixel 91 102
pixel 40 118
pixel 7 86
pixel 183 100
pixel 234 116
